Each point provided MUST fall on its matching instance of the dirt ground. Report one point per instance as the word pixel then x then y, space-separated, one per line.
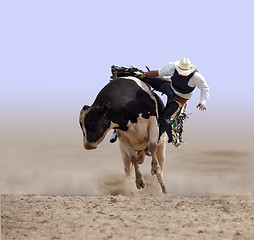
pixel 64 192
pixel 127 217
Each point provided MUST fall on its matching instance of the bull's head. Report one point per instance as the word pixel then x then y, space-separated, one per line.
pixel 95 124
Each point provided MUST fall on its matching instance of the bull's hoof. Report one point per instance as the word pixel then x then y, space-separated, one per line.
pixel 140 184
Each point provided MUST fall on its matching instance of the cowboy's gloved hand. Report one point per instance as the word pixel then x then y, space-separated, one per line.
pixel 201 107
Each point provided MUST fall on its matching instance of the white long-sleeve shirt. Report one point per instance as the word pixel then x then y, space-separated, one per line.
pixel 197 80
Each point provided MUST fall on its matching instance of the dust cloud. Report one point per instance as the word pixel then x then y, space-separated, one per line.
pixel 194 169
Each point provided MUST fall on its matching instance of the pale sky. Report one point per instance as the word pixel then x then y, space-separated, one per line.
pixel 56 55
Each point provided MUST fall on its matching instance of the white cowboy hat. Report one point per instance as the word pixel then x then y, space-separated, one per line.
pixel 184 67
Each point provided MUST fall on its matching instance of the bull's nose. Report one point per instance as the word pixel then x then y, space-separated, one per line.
pixel 90 146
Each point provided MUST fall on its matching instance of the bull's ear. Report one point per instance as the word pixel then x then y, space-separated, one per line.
pixel 85 107
pixel 82 113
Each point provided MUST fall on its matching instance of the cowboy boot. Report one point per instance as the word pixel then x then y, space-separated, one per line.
pixel 113 137
pixel 165 119
pixel 165 126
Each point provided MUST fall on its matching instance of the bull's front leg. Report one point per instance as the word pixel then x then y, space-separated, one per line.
pixel 139 178
pixel 130 156
pixel 126 160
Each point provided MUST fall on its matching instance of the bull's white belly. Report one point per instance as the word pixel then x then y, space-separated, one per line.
pixel 137 134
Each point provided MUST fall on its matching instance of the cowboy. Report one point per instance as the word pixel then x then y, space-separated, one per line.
pixel 184 77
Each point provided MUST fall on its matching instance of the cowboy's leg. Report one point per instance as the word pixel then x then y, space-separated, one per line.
pixel 171 107
pixel 158 83
pixel 165 118
pixel 165 88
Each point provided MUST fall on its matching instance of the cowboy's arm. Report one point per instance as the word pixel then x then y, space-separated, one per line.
pixel 167 70
pixel 153 73
pixel 204 90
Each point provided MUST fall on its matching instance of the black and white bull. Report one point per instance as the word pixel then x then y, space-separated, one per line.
pixel 128 105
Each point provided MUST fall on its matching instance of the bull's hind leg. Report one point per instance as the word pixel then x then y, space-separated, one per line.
pixel 161 149
pixel 152 146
